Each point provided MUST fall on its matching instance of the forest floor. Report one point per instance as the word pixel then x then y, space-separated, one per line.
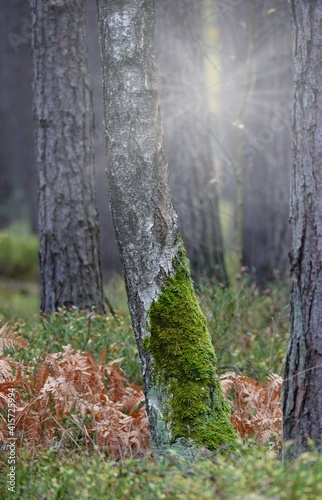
pixel 81 429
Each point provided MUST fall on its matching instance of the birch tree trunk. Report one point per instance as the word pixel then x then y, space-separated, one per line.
pixel 302 398
pixel 185 404
pixel 63 116
pixel 184 112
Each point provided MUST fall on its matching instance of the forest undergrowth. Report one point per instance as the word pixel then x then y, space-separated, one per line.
pixel 81 426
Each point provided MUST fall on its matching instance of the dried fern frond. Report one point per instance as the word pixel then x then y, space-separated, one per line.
pixel 256 406
pixel 10 338
pixel 70 399
pixel 5 370
pixel 70 384
pixel 54 400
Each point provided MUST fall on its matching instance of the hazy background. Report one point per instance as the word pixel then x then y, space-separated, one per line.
pixel 225 84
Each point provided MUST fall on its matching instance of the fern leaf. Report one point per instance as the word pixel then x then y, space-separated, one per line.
pixel 10 338
pixel 5 370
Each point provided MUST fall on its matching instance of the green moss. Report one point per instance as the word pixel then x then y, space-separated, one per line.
pixel 184 364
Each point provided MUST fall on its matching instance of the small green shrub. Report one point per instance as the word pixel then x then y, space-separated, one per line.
pixel 249 328
pixel 18 254
pixel 18 300
pixel 255 474
pixel 86 331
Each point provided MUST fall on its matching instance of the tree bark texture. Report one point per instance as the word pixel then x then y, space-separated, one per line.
pixel 256 81
pixel 146 230
pixel 302 398
pixel 184 111
pixel 63 116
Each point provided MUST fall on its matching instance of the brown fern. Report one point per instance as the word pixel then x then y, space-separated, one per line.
pixel 5 370
pixel 70 387
pixel 10 338
pixel 69 400
pixel 256 406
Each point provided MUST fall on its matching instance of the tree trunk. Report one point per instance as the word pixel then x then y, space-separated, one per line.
pixel 184 398
pixel 63 115
pixel 184 111
pixel 302 398
pixel 256 78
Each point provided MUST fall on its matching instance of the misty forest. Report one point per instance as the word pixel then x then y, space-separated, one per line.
pixel 161 249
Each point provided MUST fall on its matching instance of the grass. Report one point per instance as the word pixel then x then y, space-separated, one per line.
pixel 18 253
pixel 249 330
pixel 18 300
pixel 255 474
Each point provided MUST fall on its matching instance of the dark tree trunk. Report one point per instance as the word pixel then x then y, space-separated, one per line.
pixel 63 115
pixel 302 398
pixel 256 62
pixel 17 162
pixel 184 111
pixel 184 398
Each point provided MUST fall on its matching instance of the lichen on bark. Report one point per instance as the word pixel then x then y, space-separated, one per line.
pixel 184 364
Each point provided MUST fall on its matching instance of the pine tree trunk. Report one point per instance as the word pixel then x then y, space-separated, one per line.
pixel 63 115
pixel 184 111
pixel 184 400
pixel 302 398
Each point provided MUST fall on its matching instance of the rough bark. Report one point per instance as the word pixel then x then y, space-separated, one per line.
pixel 302 398
pixel 184 111
pixel 177 358
pixel 256 79
pixel 63 116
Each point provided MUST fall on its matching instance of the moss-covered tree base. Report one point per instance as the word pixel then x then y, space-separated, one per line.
pixel 191 404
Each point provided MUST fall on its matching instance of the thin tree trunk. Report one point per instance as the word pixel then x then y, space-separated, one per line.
pixel 302 398
pixel 63 115
pixel 184 111
pixel 184 398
